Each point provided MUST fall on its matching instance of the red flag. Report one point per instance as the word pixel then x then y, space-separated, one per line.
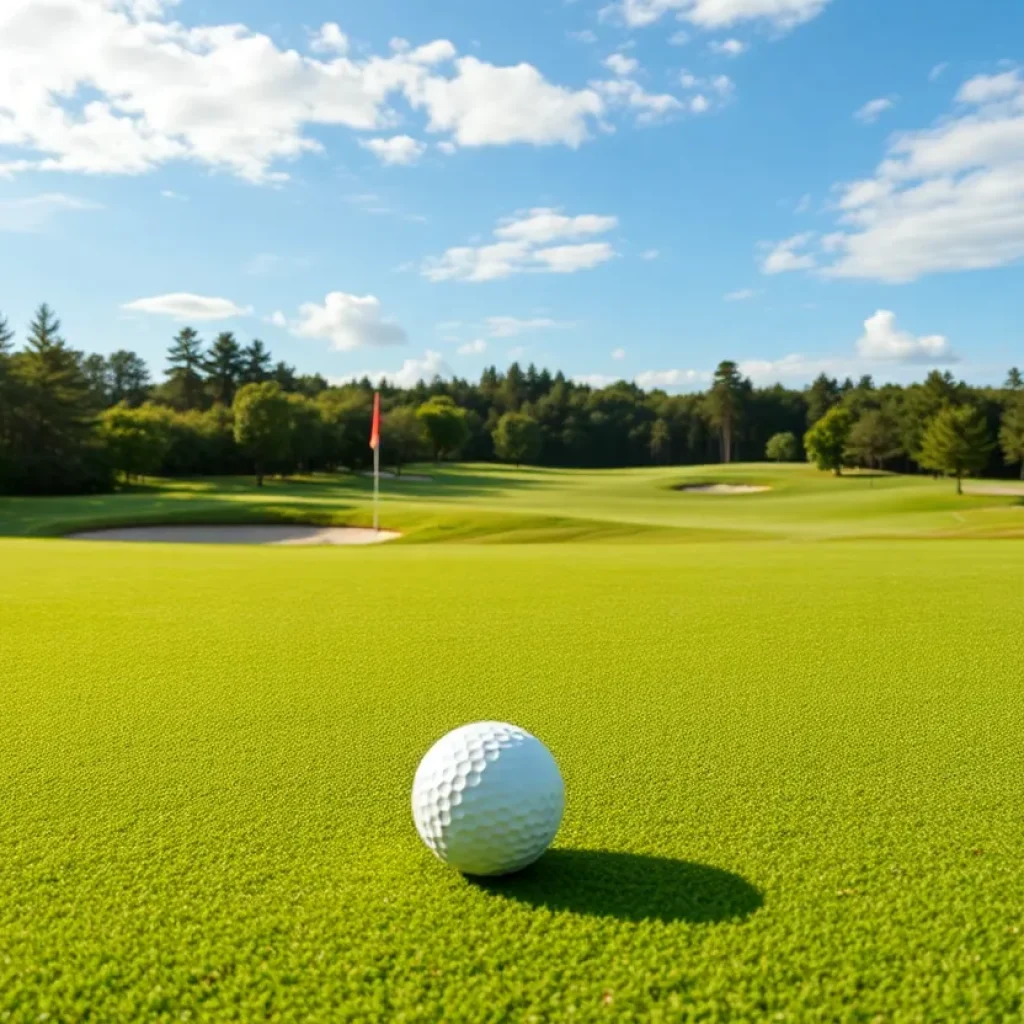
pixel 375 429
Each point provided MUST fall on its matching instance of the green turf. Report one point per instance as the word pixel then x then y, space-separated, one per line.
pixel 793 770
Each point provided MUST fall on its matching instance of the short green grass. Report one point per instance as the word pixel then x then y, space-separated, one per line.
pixel 793 769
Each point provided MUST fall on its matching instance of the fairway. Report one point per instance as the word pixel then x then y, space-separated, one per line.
pixel 788 724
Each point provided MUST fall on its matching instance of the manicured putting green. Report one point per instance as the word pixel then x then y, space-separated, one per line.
pixel 793 779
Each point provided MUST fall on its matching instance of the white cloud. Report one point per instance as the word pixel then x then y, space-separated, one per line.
pixel 947 198
pixel 34 213
pixel 400 150
pixel 989 88
pixel 597 381
pixel 785 256
pixel 619 354
pixel 883 341
pixel 448 148
pixel 717 14
pixel 620 64
pixel 185 306
pixel 484 105
pixel 699 104
pixel 583 36
pixel 728 47
pixel 936 72
pixel 522 246
pixel 717 90
pixel 650 254
pixel 329 39
pixel 473 348
pixel 741 295
pixel 671 378
pixel 229 98
pixel 278 319
pixel 873 110
pixel 629 94
pixel 348 322
pixel 512 327
pixel 796 367
pixel 803 204
pixel 410 374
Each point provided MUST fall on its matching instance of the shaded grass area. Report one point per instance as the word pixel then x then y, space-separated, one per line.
pixel 793 781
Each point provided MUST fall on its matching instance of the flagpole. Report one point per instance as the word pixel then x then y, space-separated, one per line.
pixel 376 489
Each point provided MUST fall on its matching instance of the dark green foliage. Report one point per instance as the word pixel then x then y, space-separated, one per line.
pixel 256 363
pixel 51 445
pixel 445 424
pixel 783 448
pixel 223 364
pixel 518 438
pixel 185 362
pixel 128 379
pixel 956 442
pixel 403 437
pixel 263 426
pixel 873 441
pixel 725 404
pixel 1011 433
pixel 826 441
pixel 137 440
pixel 660 444
pixel 822 395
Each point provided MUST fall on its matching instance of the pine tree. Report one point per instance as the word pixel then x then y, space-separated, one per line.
pixel 723 404
pixel 223 367
pixel 957 442
pixel 185 366
pixel 1011 433
pixel 256 363
pixel 129 379
pixel 54 416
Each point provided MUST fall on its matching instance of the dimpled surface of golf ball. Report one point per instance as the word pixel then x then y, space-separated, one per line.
pixel 488 798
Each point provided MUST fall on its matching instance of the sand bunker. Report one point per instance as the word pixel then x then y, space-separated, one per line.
pixel 286 536
pixel 1008 490
pixel 724 489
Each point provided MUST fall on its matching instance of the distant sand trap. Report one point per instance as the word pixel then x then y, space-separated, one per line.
pixel 281 536
pixel 724 489
pixel 996 490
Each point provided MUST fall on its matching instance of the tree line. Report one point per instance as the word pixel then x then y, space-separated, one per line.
pixel 72 422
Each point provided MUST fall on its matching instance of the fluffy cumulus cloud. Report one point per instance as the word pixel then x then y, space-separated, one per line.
pixel 186 306
pixel 620 64
pixel 945 198
pixel 718 14
pixel 882 341
pixel 400 150
pixel 112 87
pixel 348 322
pixel 541 240
pixel 873 110
pixel 411 372
pixel 473 348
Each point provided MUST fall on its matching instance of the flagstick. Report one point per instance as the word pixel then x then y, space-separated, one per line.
pixel 376 489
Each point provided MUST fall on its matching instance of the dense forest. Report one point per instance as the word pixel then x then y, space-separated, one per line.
pixel 74 422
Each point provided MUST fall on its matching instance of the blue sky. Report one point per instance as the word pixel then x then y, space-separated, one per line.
pixel 631 189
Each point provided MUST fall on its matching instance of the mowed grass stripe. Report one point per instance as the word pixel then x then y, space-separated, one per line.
pixel 207 753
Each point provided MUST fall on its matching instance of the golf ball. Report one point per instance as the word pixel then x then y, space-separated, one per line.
pixel 488 798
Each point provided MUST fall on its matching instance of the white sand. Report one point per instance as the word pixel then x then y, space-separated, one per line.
pixel 724 489
pixel 1007 490
pixel 289 536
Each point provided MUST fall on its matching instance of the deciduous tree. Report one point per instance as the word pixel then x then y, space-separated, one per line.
pixel 263 425
pixel 826 441
pixel 783 447
pixel 517 438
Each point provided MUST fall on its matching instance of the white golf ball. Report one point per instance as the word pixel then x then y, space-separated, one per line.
pixel 488 798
